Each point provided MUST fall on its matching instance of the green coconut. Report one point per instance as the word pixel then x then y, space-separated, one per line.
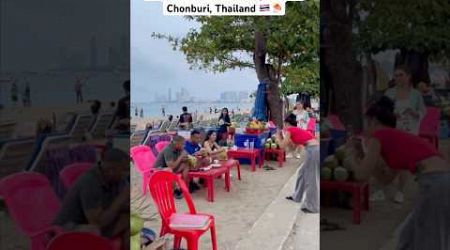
pixel 326 173
pixel 136 224
pixel 348 163
pixel 330 162
pixel 340 174
pixel 267 145
pixel 274 146
pixel 340 153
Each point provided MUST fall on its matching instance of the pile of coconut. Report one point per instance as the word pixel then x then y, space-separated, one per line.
pixel 341 165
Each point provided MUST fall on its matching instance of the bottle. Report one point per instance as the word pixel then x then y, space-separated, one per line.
pixel 246 143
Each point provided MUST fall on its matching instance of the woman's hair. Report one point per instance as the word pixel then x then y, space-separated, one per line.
pixel 404 68
pixel 209 134
pixel 170 118
pixel 225 117
pixel 383 111
pixel 291 119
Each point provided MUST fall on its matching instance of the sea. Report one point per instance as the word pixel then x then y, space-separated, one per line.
pixel 154 109
pixel 58 88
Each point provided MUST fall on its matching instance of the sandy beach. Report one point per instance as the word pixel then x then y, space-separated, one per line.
pixel 235 212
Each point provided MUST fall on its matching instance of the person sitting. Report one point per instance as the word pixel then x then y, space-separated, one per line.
pixel 193 148
pixel 185 121
pixel 174 158
pixel 211 146
pixel 99 200
pixel 121 121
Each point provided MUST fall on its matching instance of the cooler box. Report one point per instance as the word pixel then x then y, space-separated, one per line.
pixel 259 140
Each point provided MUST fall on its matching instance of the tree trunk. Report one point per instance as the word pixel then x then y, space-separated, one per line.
pixel 267 74
pixel 340 62
pixel 417 62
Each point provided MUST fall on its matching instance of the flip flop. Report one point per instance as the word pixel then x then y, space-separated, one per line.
pixel 268 168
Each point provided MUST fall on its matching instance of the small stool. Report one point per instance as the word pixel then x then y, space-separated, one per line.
pixel 358 189
pixel 281 155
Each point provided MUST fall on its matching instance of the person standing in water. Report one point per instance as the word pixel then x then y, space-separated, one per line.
pixel 79 89
pixel 307 186
pixel 142 113
pixel 28 94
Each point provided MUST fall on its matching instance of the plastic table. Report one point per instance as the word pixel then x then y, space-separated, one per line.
pixel 251 154
pixel 209 177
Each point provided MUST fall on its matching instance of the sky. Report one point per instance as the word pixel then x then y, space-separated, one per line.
pixel 155 66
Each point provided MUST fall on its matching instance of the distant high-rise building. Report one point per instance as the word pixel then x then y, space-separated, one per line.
pixel 93 54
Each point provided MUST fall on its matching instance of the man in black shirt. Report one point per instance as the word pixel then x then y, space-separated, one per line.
pixel 185 121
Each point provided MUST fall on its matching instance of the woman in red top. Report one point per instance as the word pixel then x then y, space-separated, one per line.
pixel 308 176
pixel 428 225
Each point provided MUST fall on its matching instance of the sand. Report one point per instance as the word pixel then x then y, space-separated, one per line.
pixel 236 211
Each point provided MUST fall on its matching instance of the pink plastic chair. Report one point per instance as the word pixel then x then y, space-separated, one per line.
pixel 70 173
pixel 79 240
pixel 161 145
pixel 32 205
pixel 335 122
pixel 161 190
pixel 143 159
pixel 429 126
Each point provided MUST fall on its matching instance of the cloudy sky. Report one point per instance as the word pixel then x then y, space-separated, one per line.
pixel 156 67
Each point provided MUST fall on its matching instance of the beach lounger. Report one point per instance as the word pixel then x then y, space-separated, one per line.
pixel 81 126
pixel 7 130
pixel 173 126
pixel 133 128
pixel 101 125
pixel 49 142
pixel 164 126
pixel 14 156
pixel 138 137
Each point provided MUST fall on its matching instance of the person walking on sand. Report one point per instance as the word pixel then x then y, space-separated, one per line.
pixel 142 113
pixel 163 111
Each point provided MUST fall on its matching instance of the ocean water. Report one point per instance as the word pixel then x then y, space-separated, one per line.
pixel 49 89
pixel 153 110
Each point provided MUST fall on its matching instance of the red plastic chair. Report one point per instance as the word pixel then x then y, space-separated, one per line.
pixel 161 145
pixel 161 190
pixel 70 173
pixel 143 159
pixel 79 240
pixel 335 122
pixel 311 126
pixel 429 126
pixel 32 205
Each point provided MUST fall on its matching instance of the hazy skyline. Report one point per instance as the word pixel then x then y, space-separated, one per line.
pixel 155 66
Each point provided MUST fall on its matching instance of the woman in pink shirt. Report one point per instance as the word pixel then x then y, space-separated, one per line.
pixel 308 175
pixel 428 225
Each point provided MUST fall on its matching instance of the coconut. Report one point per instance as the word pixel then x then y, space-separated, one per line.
pixel 326 173
pixel 340 153
pixel 340 174
pixel 330 161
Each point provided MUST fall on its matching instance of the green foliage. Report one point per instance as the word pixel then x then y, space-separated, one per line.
pixel 224 42
pixel 420 26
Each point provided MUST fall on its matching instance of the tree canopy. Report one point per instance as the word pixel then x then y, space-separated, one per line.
pixel 420 26
pixel 224 43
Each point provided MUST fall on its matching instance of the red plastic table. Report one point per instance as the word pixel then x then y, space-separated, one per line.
pixel 209 177
pixel 281 156
pixel 233 163
pixel 358 189
pixel 251 154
